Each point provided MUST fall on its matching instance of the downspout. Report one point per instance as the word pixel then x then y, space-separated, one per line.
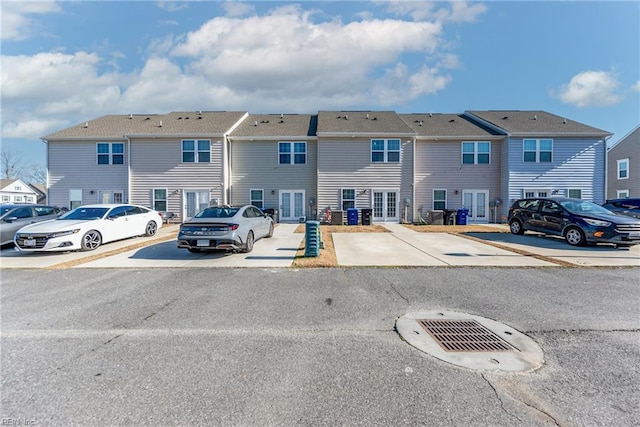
pixel 128 169
pixel 226 156
pixel 606 168
pixel 413 183
pixel 47 167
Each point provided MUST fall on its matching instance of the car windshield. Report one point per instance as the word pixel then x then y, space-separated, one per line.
pixel 582 207
pixel 85 213
pixel 217 212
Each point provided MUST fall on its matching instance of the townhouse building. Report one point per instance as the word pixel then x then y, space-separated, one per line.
pixel 623 167
pixel 400 166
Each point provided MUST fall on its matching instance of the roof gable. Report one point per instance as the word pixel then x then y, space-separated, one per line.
pixel 447 125
pixel 362 122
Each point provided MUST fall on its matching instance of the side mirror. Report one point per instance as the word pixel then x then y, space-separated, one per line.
pixel 11 219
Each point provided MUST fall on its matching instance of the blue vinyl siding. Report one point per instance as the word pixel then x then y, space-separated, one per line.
pixel 577 164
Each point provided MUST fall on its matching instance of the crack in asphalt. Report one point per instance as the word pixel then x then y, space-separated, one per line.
pixel 398 292
pixel 556 331
pixel 495 391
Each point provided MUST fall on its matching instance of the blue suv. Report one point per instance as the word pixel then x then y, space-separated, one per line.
pixel 578 221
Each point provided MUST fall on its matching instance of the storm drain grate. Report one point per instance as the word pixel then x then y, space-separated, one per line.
pixel 464 335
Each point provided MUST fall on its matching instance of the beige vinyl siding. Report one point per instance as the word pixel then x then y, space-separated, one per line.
pixel 439 166
pixel 157 163
pixel 73 165
pixel 254 165
pixel 346 163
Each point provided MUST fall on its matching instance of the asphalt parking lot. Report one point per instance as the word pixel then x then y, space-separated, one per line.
pixel 400 247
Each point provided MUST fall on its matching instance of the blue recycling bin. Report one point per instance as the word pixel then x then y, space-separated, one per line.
pixel 352 216
pixel 462 216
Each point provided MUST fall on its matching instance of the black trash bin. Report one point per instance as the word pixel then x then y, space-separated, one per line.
pixel 366 216
pixel 449 217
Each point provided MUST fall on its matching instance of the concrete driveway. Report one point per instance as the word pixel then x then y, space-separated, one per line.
pixel 401 247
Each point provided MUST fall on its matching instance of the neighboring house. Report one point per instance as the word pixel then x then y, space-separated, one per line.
pixel 457 165
pixel 17 191
pixel 303 165
pixel 273 163
pixel 41 191
pixel 623 167
pixel 172 162
pixel 365 160
pixel 544 155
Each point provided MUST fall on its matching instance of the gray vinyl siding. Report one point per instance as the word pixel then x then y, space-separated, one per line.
pixel 72 165
pixel 255 165
pixel 157 163
pixel 439 167
pixel 628 148
pixel 576 164
pixel 346 163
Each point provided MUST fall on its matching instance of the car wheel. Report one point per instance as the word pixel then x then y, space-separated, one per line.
pixel 248 246
pixel 151 228
pixel 270 230
pixel 575 237
pixel 193 250
pixel 516 227
pixel 91 240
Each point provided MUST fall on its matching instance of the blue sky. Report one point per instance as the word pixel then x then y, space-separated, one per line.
pixel 64 63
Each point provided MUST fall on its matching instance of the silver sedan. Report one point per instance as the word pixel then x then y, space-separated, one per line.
pixel 14 217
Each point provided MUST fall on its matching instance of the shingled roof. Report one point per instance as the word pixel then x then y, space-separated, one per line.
pixel 276 125
pixel 447 126
pixel 213 123
pixel 335 123
pixel 539 123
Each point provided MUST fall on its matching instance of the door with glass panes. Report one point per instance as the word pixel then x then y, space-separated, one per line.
pixel 385 205
pixel 291 205
pixel 477 202
pixel 195 201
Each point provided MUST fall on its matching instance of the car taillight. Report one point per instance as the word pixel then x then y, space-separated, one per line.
pixel 233 226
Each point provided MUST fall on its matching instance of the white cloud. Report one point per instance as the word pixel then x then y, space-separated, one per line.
pixel 237 8
pixel 172 6
pixel 636 87
pixel 16 22
pixel 591 89
pixel 458 11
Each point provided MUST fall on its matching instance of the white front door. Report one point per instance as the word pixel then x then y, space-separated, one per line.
pixel 111 196
pixel 385 205
pixel 195 201
pixel 477 201
pixel 291 205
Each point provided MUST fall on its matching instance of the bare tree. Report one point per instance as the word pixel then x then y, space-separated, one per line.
pixel 35 174
pixel 11 164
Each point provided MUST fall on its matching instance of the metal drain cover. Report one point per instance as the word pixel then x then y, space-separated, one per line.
pixel 470 341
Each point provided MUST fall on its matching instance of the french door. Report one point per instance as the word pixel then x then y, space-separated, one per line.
pixel 477 201
pixel 291 205
pixel 194 202
pixel 385 205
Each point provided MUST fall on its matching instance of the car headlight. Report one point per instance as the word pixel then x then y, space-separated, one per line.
pixel 63 233
pixel 597 222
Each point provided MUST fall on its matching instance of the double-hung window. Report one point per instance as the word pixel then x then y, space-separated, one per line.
pixel 292 153
pixel 256 197
pixel 196 151
pixel 538 150
pixel 110 153
pixel 385 151
pixel 476 153
pixel 348 198
pixel 160 199
pixel 439 199
pixel 623 169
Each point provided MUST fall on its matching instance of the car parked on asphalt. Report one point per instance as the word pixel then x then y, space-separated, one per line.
pixel 578 221
pixel 629 207
pixel 230 228
pixel 87 227
pixel 15 216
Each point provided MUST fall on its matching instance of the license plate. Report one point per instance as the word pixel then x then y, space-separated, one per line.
pixel 30 242
pixel 202 243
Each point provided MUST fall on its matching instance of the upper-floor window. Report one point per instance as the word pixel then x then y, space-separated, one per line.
pixel 196 151
pixel 538 150
pixel 292 153
pixel 348 198
pixel 385 150
pixel 110 153
pixel 476 153
pixel 623 169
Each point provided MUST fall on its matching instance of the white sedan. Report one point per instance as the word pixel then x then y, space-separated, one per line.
pixel 87 227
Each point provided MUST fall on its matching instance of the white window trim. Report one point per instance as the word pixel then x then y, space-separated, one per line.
pixel 538 151
pixel 475 152
pixel 292 153
pixel 433 198
pixel 342 199
pixel 110 153
pixel 618 170
pixel 153 197
pixel 386 150
pixel 251 199
pixel 195 150
pixel 537 192
pixel 622 194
